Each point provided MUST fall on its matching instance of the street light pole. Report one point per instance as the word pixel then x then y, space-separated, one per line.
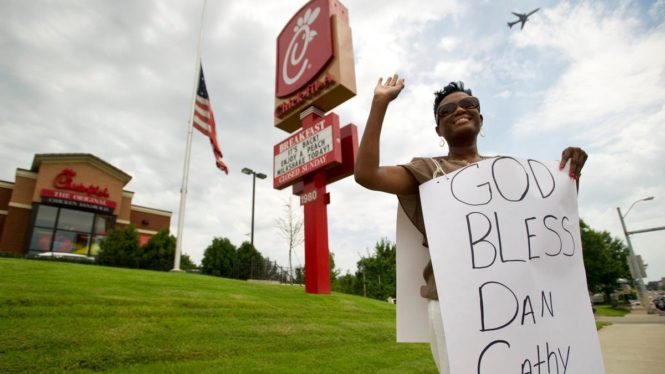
pixel 254 174
pixel 633 266
pixel 251 240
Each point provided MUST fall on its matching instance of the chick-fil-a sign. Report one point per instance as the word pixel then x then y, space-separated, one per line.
pixel 304 47
pixel 314 75
pixel 504 239
pixel 65 181
pixel 65 198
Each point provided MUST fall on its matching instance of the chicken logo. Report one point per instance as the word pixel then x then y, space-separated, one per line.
pixel 294 56
pixel 304 47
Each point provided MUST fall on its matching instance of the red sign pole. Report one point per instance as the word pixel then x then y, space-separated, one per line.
pixel 315 200
pixel 317 259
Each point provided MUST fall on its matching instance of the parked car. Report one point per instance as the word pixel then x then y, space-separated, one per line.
pixel 659 303
pixel 598 298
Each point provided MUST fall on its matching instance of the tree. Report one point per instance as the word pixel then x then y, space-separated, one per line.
pixel 158 252
pixel 377 273
pixel 219 258
pixel 655 286
pixel 300 274
pixel 272 271
pixel 334 273
pixel 346 283
pixel 186 263
pixel 604 260
pixel 249 262
pixel 291 229
pixel 120 248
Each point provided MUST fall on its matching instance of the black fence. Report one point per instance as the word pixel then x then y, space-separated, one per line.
pixel 264 271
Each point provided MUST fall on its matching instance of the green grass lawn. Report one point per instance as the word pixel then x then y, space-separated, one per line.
pixel 601 324
pixel 57 317
pixel 609 311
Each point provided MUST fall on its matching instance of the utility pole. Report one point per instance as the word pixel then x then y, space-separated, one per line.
pixel 633 266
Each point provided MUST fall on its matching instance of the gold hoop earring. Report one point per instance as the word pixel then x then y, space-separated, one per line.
pixel 442 142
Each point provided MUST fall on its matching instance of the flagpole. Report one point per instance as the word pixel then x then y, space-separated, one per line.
pixel 188 151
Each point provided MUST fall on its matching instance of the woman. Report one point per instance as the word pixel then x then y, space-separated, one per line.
pixel 458 123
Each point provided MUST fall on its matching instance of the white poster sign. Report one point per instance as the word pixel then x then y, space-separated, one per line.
pixel 412 257
pixel 506 250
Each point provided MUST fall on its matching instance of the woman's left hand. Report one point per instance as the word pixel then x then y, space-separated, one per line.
pixel 577 159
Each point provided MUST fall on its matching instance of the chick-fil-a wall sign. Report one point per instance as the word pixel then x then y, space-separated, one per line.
pixel 65 181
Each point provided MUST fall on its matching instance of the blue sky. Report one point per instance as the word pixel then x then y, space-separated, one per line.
pixel 115 79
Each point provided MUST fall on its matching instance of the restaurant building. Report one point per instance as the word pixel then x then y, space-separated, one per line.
pixel 66 203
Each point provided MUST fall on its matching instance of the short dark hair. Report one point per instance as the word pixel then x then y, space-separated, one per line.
pixel 447 90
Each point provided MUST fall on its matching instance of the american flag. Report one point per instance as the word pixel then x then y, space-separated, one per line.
pixel 204 120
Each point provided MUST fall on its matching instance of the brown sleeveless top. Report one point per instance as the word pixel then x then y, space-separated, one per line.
pixel 423 170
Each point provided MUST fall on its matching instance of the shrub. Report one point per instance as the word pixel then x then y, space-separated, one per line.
pixel 158 253
pixel 219 258
pixel 120 248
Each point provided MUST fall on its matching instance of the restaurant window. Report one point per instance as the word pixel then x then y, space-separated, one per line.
pixel 102 226
pixel 75 220
pixel 41 239
pixel 46 216
pixel 67 230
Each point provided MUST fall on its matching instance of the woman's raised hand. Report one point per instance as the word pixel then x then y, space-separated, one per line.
pixel 577 158
pixel 390 89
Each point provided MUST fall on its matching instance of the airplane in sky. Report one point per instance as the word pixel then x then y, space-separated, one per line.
pixel 522 18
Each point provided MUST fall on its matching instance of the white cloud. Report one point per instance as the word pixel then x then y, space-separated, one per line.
pixel 612 68
pixel 464 68
pixel 505 94
pixel 657 10
pixel 449 43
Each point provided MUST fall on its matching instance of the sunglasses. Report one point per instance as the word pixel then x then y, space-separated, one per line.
pixel 449 108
